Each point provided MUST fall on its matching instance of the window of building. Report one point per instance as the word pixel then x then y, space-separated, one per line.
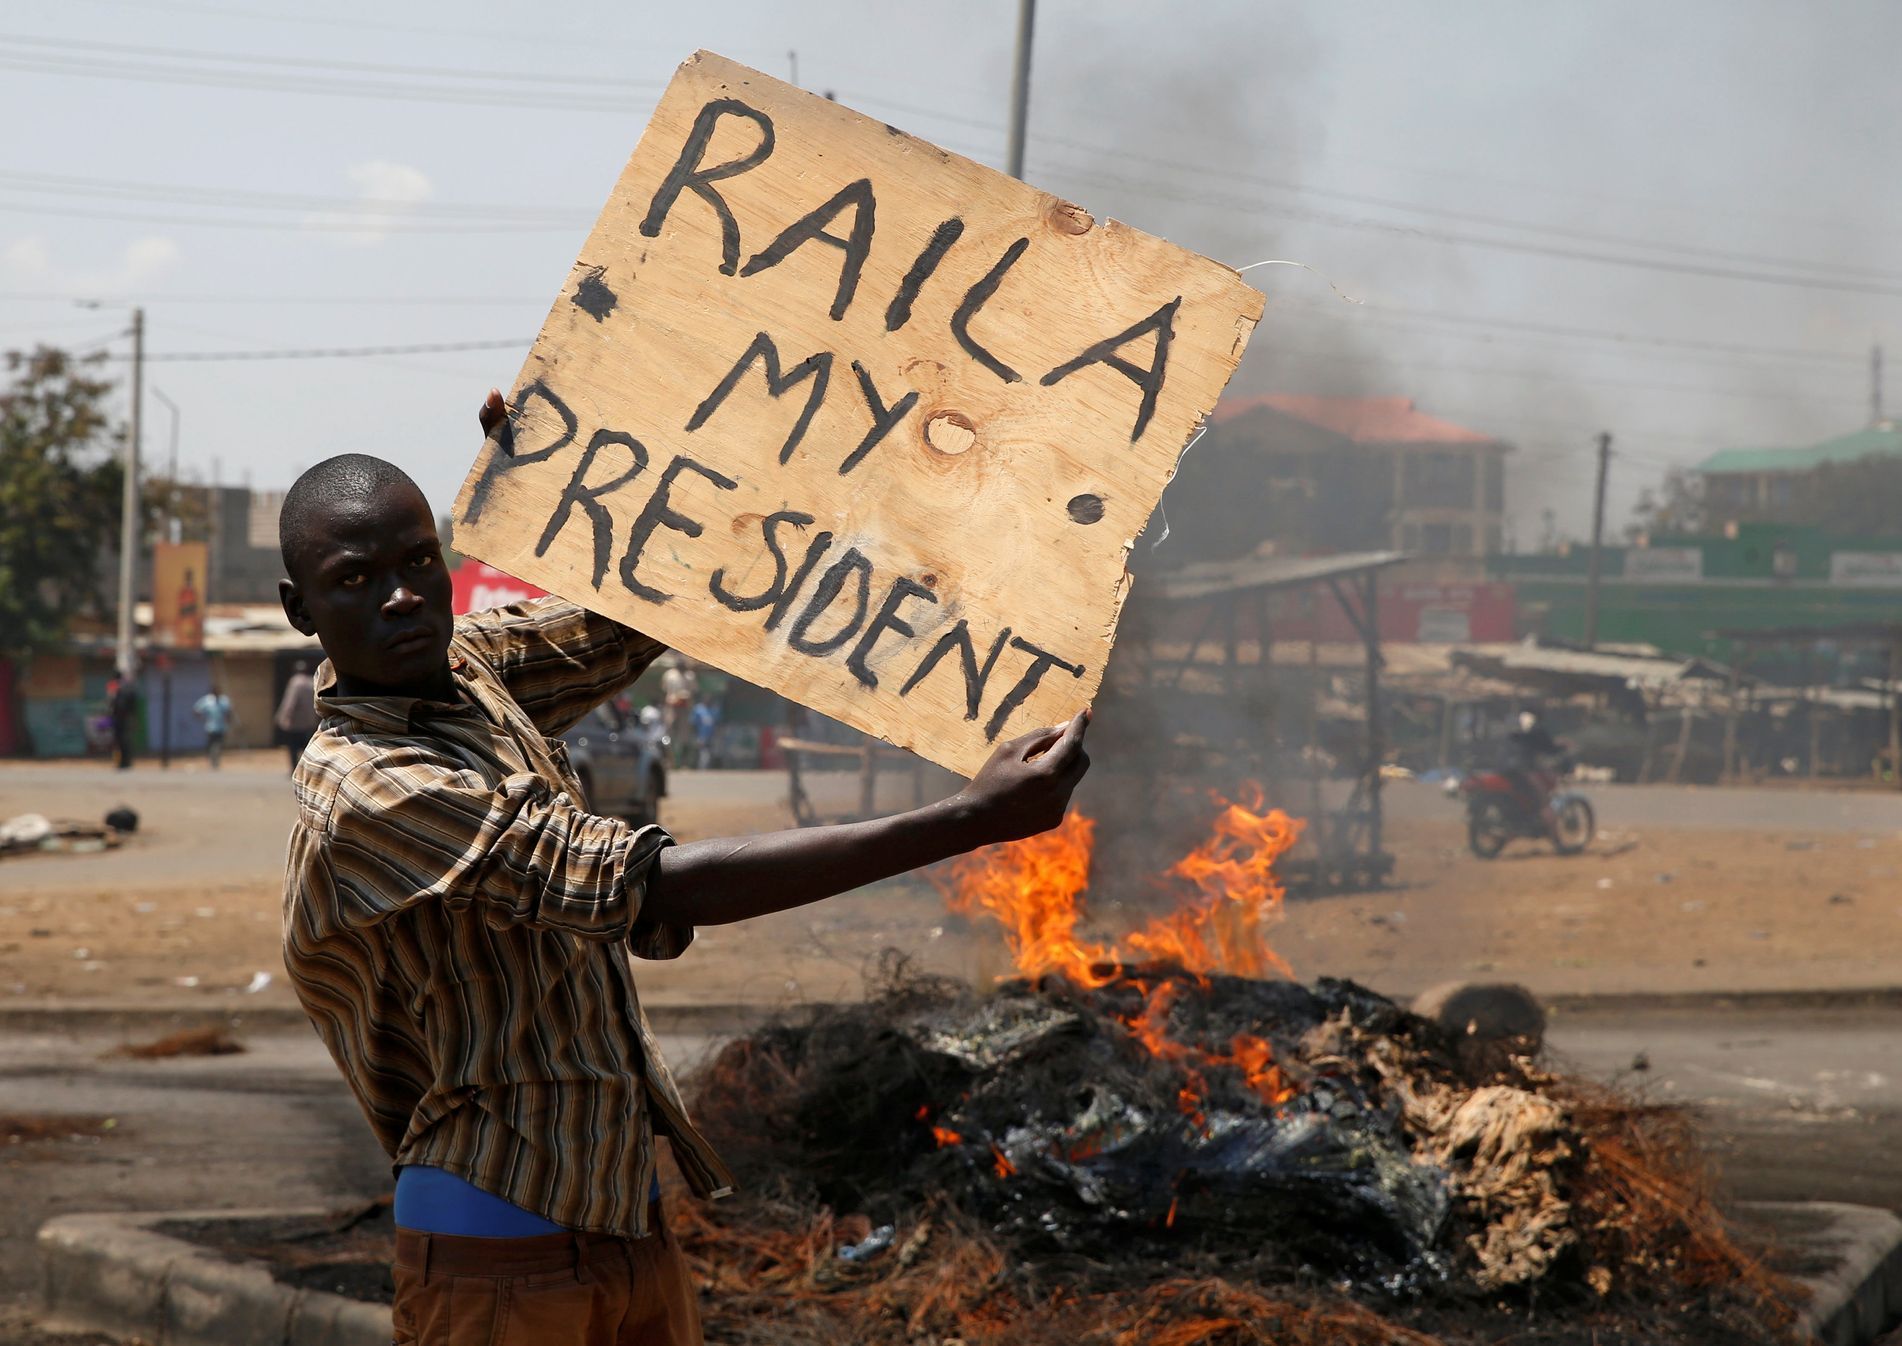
pixel 1436 539
pixel 1435 478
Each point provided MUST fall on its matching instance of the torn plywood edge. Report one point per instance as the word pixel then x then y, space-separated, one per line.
pixel 854 418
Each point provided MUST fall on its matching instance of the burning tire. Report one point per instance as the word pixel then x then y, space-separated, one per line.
pixel 1488 829
pixel 1574 826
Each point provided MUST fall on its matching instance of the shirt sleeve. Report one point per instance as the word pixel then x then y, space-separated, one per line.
pixel 412 827
pixel 557 659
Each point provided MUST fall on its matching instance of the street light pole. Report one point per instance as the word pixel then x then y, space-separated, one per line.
pixel 129 499
pixel 1020 86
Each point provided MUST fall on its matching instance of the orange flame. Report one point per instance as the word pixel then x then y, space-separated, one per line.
pixel 1001 1164
pixel 1034 889
pixel 1031 887
pixel 944 1135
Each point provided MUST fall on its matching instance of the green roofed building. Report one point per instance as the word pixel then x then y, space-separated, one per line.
pixel 1780 485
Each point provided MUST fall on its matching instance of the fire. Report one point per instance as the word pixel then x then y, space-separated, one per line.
pixel 1031 887
pixel 944 1135
pixel 1034 889
pixel 1236 895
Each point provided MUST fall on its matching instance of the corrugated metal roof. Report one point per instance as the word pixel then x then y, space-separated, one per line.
pixel 1876 441
pixel 1264 572
pixel 1365 420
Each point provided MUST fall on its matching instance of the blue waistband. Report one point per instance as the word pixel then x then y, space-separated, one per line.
pixel 435 1201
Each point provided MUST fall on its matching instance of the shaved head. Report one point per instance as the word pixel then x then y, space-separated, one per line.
pixel 347 479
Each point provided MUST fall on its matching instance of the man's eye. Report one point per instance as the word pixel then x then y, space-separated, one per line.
pixel 355 580
pixel 425 560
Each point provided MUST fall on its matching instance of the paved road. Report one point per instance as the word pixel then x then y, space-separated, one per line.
pixel 1800 1105
pixel 1624 807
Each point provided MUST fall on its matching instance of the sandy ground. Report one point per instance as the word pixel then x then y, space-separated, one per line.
pixel 187 910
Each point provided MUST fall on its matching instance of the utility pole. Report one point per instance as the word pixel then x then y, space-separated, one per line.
pixel 1875 384
pixel 1020 86
pixel 792 59
pixel 129 499
pixel 1598 539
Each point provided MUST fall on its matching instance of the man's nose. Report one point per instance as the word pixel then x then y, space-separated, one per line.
pixel 402 601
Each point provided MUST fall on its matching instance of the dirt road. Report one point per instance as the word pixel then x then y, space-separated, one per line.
pixel 187 910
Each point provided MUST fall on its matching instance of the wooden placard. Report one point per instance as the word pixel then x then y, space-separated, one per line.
pixel 854 418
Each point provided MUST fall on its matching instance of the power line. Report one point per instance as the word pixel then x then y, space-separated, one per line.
pixel 340 352
pixel 1387 313
pixel 1121 153
pixel 289 62
pixel 547 97
pixel 352 300
pixel 373 225
pixel 61 184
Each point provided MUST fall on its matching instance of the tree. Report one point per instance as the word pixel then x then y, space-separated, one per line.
pixel 59 495
pixel 1676 506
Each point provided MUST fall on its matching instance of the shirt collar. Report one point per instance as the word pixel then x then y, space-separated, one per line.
pixel 389 714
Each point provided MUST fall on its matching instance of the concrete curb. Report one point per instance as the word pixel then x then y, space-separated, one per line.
pixel 733 1016
pixel 112 1273
pixel 1858 1292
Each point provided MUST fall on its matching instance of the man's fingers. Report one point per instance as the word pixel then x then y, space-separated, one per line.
pixel 1070 743
pixel 492 411
pixel 1029 747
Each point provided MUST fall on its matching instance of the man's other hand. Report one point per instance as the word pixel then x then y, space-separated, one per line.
pixel 1026 786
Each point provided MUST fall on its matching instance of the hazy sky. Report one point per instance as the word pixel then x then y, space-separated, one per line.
pixel 1464 167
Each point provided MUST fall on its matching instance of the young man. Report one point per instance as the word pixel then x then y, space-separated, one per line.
pixel 214 708
pixel 458 928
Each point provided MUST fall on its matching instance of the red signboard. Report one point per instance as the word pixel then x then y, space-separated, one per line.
pixel 479 586
pixel 1410 613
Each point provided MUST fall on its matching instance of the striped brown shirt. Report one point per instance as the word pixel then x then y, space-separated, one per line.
pixel 458 926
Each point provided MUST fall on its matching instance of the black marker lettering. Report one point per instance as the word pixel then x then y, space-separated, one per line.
pixel 975 299
pixel 887 620
pixel 504 456
pixel 658 513
pixel 791 589
pixel 853 563
pixel 884 419
pixel 818 368
pixel 1162 323
pixel 687 174
pixel 899 311
pixel 811 228
pixel 589 498
pixel 975 678
pixel 1041 662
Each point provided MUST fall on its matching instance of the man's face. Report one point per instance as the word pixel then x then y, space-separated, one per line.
pixel 375 591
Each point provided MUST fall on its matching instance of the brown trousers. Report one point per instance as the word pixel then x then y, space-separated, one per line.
pixel 551 1290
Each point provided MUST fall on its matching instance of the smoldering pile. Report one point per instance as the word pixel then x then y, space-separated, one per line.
pixel 1190 1157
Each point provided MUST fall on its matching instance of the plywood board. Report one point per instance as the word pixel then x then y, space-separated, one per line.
pixel 854 418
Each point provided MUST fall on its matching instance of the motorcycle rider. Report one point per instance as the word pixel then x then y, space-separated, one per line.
pixel 1531 744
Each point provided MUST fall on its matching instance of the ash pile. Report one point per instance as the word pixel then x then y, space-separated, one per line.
pixel 1208 1120
pixel 1159 1137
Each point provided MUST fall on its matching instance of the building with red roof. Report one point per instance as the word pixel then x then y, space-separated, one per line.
pixel 1311 474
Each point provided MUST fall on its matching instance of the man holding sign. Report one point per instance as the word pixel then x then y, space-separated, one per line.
pixel 822 406
pixel 457 924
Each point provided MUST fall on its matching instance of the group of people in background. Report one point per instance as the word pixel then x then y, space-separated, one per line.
pixel 295 717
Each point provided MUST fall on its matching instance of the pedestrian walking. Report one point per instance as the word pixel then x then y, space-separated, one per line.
pixel 214 709
pixel 297 711
pixel 458 928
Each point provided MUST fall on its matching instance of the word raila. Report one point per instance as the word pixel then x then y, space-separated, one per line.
pixel 821 603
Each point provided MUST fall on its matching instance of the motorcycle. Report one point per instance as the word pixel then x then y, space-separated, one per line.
pixel 1499 809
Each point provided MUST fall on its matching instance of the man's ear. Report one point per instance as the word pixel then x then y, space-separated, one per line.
pixel 295 610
